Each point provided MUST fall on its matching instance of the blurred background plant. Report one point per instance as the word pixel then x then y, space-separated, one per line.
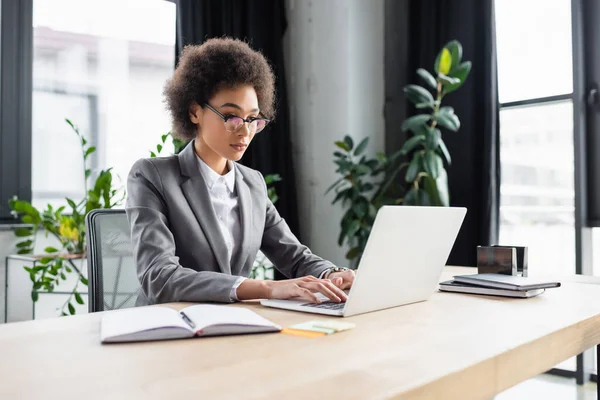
pixel 67 225
pixel 366 184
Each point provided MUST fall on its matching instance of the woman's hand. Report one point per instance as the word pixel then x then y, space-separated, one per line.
pixel 342 279
pixel 306 288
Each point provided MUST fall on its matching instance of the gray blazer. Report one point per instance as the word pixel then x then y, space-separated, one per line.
pixel 178 249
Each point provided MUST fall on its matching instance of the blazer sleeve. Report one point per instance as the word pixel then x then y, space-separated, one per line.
pixel 161 276
pixel 280 245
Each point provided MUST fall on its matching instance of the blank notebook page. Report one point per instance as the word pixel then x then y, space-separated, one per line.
pixel 207 315
pixel 132 320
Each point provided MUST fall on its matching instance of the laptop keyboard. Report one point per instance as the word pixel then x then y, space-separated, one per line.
pixel 329 305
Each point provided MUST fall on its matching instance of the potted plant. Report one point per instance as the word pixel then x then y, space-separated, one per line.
pixel 67 225
pixel 366 184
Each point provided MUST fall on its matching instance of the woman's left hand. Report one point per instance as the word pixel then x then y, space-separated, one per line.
pixel 342 279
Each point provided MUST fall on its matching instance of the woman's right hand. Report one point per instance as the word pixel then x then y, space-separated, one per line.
pixel 305 288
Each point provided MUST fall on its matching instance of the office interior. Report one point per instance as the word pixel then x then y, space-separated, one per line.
pixel 524 158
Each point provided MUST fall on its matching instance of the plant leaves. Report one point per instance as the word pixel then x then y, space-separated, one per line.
pixel 24 244
pixel 448 80
pixel 361 146
pixel 410 199
pixel 353 253
pixel 50 249
pixel 460 72
pixel 456 52
pixel 417 94
pixel 432 164
pixel 442 187
pixel 415 123
pixel 353 228
pixel 348 140
pixel 46 260
pixel 445 62
pixel 152 154
pixel 88 172
pixel 34 296
pixel 88 152
pixel 78 298
pixel 413 168
pixel 360 209
pixel 71 203
pixel 429 186
pixel 23 232
pixel 159 148
pixel 342 145
pixel 71 309
pixel 83 280
pixel 427 77
pixel 433 139
pixel 411 143
pixel 449 121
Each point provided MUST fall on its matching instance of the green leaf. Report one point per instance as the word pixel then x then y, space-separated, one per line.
pixel 23 232
pixel 348 140
pixel 63 277
pixel 158 148
pixel 413 168
pixel 24 251
pixel 50 249
pixel 411 143
pixel 152 155
pixel 449 121
pixel 417 94
pixel 361 146
pixel 71 203
pixel 433 138
pixel 28 219
pixel 353 253
pixel 429 185
pixel 342 145
pixel 411 197
pixel 335 184
pixel 442 187
pixel 163 138
pixel 432 164
pixel 78 298
pixel 448 80
pixel 456 52
pixel 443 62
pixel 83 280
pixel 71 309
pixel 353 228
pixel 24 244
pixel 360 209
pixel 34 296
pixel 461 72
pixel 88 152
pixel 415 123
pixel 46 260
pixel 88 172
pixel 427 77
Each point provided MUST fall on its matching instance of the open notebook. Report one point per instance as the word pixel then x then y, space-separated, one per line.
pixel 161 323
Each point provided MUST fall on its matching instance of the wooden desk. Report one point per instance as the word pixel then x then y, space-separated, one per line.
pixel 453 346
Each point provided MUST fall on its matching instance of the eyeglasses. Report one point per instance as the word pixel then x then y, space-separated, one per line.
pixel 233 123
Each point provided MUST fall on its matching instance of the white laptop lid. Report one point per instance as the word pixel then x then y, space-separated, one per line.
pixel 406 251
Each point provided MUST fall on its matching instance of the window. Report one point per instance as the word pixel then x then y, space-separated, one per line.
pixel 535 86
pixel 101 64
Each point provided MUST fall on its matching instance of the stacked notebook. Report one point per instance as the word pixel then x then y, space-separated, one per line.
pixel 498 285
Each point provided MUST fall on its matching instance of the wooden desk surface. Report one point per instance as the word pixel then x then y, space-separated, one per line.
pixel 453 346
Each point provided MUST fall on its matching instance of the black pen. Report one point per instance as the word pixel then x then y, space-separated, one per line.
pixel 187 320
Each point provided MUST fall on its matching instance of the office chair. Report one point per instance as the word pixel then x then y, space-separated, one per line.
pixel 112 276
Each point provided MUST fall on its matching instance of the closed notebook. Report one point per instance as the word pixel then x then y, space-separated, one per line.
pixel 453 286
pixel 162 323
pixel 509 282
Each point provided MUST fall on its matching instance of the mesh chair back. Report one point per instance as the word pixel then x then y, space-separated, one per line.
pixel 112 276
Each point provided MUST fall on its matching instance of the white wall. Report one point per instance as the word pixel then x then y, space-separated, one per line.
pixel 335 74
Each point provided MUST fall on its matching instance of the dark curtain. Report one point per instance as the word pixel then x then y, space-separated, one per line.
pixel 262 24
pixel 416 30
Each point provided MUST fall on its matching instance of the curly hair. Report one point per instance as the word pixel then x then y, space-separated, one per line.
pixel 204 69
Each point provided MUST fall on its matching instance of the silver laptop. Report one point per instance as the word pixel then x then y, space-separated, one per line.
pixel 402 263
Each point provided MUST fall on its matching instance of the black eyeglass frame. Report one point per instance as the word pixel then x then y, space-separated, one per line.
pixel 226 118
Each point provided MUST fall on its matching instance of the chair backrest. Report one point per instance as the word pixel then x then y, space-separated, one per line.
pixel 112 276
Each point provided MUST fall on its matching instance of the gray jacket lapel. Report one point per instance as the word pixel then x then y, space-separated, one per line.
pixel 196 193
pixel 245 207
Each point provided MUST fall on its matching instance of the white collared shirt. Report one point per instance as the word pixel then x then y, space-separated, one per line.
pixel 223 196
